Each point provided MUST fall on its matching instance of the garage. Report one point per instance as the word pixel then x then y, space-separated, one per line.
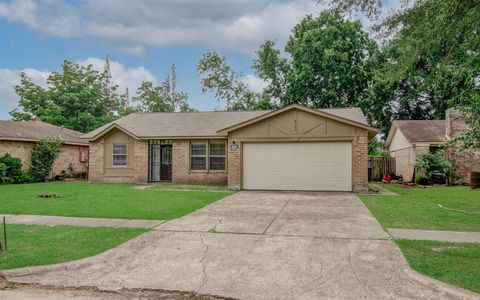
pixel 310 166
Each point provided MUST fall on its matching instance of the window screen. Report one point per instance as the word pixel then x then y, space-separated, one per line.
pixel 120 155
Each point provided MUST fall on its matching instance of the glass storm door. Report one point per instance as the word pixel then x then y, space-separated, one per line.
pixel 155 163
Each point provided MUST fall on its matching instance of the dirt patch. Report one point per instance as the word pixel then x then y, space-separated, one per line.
pixel 46 196
pixel 44 292
pixel 444 248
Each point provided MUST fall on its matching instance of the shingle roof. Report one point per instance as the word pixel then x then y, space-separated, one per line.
pixel 422 130
pixel 34 130
pixel 198 124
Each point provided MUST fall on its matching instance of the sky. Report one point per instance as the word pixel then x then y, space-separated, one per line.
pixel 142 39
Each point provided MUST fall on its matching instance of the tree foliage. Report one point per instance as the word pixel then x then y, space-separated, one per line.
pixel 326 63
pixel 44 154
pixel 226 84
pixel 430 62
pixel 162 98
pixel 83 99
pixel 78 98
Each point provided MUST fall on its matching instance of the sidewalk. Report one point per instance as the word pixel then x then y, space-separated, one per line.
pixel 435 235
pixel 76 221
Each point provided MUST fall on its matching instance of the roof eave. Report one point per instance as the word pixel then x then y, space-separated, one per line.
pixel 292 106
pixel 106 130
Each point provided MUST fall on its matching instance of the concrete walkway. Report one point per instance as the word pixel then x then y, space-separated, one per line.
pixel 435 235
pixel 75 221
pixel 257 245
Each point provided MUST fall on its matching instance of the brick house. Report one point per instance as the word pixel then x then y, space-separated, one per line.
pixel 293 148
pixel 17 138
pixel 409 138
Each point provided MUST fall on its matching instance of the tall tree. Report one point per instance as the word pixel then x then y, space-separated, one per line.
pixel 226 84
pixel 72 99
pixel 327 63
pixel 432 59
pixel 163 97
pixel 109 98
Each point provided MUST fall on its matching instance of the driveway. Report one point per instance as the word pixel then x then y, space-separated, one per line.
pixel 259 245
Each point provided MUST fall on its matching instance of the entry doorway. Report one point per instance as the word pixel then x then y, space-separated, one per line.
pixel 160 160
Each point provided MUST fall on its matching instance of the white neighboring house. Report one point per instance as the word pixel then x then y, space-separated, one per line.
pixel 409 138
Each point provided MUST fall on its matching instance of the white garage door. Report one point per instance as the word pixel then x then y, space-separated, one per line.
pixel 323 166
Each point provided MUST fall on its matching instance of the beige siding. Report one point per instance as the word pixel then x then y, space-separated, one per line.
pixel 399 141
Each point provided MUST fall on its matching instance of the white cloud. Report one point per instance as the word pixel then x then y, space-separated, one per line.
pixel 9 78
pixel 123 76
pixel 237 25
pixel 254 83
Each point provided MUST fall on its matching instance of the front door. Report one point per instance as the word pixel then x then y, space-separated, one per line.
pixel 166 162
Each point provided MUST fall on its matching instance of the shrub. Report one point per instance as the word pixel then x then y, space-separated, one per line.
pixel 13 169
pixel 3 173
pixel 434 165
pixel 44 154
pixel 422 180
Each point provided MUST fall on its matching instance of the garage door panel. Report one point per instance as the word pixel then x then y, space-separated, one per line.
pixel 297 166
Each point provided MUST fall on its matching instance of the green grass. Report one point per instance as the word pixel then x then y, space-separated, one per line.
pixel 32 245
pixel 102 200
pixel 454 263
pixel 418 208
pixel 171 186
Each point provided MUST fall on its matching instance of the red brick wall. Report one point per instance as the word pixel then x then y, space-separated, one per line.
pixel 464 161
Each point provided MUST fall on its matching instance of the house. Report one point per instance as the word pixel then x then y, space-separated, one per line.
pixel 407 139
pixel 292 148
pixel 17 138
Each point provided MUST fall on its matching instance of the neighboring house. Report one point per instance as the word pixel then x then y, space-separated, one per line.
pixel 293 148
pixel 409 138
pixel 18 138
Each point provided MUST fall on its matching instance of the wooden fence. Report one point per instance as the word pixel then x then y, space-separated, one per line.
pixel 379 166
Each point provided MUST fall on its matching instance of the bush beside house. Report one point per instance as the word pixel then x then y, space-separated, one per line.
pixel 44 154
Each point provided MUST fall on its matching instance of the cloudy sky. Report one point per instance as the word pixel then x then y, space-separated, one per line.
pixel 143 40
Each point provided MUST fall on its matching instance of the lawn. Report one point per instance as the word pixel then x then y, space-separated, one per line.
pixel 102 200
pixel 418 208
pixel 31 245
pixel 454 263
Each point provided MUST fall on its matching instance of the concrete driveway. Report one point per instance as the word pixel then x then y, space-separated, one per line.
pixel 259 245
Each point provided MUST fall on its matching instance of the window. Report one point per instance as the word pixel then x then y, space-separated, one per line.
pixel 217 155
pixel 214 154
pixel 120 155
pixel 198 156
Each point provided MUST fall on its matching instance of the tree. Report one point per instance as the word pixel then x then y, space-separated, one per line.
pixel 110 100
pixel 326 64
pixel 78 98
pixel 219 78
pixel 164 97
pixel 432 61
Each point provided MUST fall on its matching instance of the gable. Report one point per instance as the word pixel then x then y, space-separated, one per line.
pixel 296 123
pixel 399 141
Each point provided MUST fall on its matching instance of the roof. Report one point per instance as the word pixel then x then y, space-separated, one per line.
pixel 415 131
pixel 34 130
pixel 197 124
